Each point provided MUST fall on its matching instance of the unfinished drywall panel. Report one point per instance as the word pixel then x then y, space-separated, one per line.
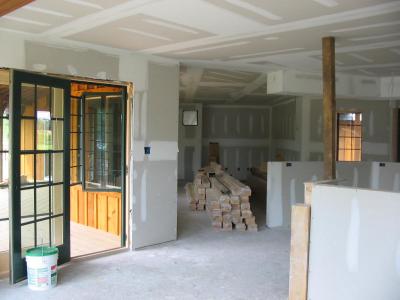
pixel 12 51
pixel 285 187
pixel 284 123
pixel 242 132
pixel 316 125
pixel 77 62
pixel 286 180
pixel 354 174
pixel 354 244
pixel 155 209
pixel 291 82
pixel 385 176
pixel 190 137
pixel 286 136
pixel 390 87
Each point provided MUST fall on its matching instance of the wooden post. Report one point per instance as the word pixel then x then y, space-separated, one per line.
pixel 299 248
pixel 329 106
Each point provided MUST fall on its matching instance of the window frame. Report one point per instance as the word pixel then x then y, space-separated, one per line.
pixel 190 110
pixel 341 112
pixel 102 188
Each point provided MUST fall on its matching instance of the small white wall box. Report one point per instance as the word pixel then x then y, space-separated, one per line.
pixel 190 118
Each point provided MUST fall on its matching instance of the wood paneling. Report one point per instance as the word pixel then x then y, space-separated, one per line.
pixel 7 6
pixel 101 210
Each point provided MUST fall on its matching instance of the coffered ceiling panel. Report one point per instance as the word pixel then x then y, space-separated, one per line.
pixel 254 35
pixel 138 32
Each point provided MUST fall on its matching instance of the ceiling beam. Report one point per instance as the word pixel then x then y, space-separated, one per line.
pixel 7 6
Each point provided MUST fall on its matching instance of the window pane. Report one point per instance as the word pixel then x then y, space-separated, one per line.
pixel 27 238
pixel 43 234
pixel 27 205
pixel 4 202
pixel 75 106
pixel 57 198
pixel 43 131
pixel 74 140
pixel 57 237
pixel 57 109
pixel 4 235
pixel 27 100
pixel 57 135
pixel 27 137
pixel 75 177
pixel 42 202
pixel 27 169
pixel 42 167
pixel 57 167
pixel 5 127
pixel 43 99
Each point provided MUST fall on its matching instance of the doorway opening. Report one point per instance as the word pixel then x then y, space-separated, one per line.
pixel 97 167
pixel 67 174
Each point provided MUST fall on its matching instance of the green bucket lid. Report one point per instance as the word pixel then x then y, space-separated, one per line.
pixel 42 251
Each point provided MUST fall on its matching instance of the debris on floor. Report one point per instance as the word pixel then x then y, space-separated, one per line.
pixel 226 199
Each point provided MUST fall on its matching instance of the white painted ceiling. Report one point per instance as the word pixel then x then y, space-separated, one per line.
pixel 206 36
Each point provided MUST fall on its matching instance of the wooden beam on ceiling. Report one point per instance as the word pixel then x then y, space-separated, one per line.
pixel 7 6
pixel 329 106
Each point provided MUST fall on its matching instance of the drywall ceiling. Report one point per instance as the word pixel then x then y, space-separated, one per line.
pixel 225 86
pixel 251 34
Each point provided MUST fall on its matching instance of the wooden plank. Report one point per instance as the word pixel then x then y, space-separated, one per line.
pixel 74 203
pixel 308 187
pixel 91 210
pixel 329 106
pixel 299 248
pixel 81 208
pixel 102 212
pixel 7 6
pixel 113 215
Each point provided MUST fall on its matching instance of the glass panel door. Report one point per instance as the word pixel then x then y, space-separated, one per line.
pixel 39 180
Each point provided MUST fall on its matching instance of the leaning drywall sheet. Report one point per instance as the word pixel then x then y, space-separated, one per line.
pixel 355 244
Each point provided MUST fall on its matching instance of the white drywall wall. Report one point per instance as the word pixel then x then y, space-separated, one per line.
pixel 285 183
pixel 155 177
pixel 190 149
pixel 354 244
pixel 291 82
pixel 285 187
pixel 243 135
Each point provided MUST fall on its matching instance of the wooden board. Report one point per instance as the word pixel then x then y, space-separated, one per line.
pixel 7 6
pixel 100 210
pixel 299 248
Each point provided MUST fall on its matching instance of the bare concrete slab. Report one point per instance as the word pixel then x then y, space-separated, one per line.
pixel 201 264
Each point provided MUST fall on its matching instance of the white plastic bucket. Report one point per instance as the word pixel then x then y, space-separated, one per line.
pixel 41 265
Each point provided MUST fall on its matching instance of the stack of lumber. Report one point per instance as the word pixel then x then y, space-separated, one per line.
pixel 196 191
pixel 227 200
pixel 242 216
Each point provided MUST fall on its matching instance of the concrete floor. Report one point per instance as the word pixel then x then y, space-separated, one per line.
pixel 201 264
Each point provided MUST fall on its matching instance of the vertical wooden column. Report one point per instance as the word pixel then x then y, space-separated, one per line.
pixel 329 106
